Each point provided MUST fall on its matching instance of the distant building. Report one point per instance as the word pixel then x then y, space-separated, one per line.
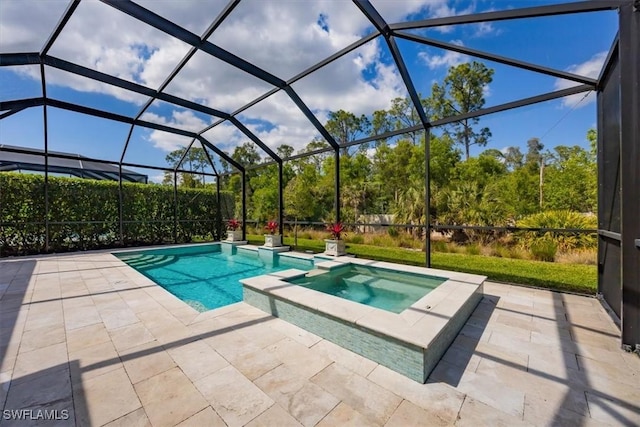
pixel 19 159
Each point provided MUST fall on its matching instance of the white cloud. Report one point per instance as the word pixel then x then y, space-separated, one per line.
pixel 447 59
pixel 590 68
pixel 284 39
pixel 179 119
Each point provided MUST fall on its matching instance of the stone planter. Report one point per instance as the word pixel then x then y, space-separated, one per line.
pixel 234 235
pixel 273 240
pixel 334 247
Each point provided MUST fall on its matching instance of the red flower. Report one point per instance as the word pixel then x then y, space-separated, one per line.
pixel 233 224
pixel 336 230
pixel 272 226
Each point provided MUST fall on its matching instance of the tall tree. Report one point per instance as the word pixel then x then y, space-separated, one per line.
pixel 195 161
pixel 462 92
pixel 346 127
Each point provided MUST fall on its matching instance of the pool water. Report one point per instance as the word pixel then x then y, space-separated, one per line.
pixel 377 287
pixel 205 276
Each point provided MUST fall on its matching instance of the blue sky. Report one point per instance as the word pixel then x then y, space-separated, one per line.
pixel 284 38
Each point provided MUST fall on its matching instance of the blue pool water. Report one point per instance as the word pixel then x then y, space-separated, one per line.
pixel 389 290
pixel 207 276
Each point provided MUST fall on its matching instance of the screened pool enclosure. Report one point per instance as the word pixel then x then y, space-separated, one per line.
pixel 258 82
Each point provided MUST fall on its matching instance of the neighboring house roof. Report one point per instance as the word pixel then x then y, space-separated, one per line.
pixel 33 159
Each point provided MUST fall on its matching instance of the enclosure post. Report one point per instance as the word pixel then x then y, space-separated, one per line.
pixel 175 207
pixel 120 210
pixel 244 205
pixel 629 176
pixel 218 210
pixel 427 194
pixel 337 184
pixel 46 158
pixel 280 199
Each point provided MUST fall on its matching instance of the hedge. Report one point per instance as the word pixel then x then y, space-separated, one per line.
pixel 84 214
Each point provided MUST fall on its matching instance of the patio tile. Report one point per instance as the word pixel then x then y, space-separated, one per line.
pixel 274 416
pixel 440 400
pixel 146 360
pixel 107 397
pixel 137 418
pixel 261 334
pixel 40 359
pixel 81 316
pixel 409 414
pixel 618 373
pixel 553 409
pixel 169 398
pixel 475 413
pixel 114 318
pixel 486 389
pixel 236 399
pixel 197 359
pixel 41 390
pixel 304 400
pixel 345 358
pixel 294 332
pixel 207 417
pixel 88 336
pixel 130 336
pixel 613 412
pixel 254 363
pixel 94 360
pixel 345 415
pixel 300 359
pixel 42 337
pixel 361 394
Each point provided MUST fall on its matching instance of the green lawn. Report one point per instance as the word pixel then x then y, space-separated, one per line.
pixel 566 277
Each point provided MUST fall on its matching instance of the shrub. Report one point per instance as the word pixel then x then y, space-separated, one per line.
pixel 84 214
pixel 558 219
pixel 544 250
pixel 472 250
pixel 392 232
pixel 439 246
pixel 355 238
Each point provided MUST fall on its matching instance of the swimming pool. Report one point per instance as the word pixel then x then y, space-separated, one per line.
pixel 389 290
pixel 206 276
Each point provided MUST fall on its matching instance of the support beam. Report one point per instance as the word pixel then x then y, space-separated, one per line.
pixel 71 7
pixel 150 18
pixel 280 199
pixel 427 195
pixel 629 172
pixel 501 15
pixel 337 184
pixel 497 58
pixel 175 207
pixel 43 81
pixel 244 205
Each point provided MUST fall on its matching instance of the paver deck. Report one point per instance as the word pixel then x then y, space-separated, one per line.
pixel 87 334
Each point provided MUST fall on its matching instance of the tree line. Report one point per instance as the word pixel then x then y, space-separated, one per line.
pixel 387 176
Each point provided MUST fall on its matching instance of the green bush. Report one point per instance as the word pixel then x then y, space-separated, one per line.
pixel 355 238
pixel 393 232
pixel 558 219
pixel 544 250
pixel 472 250
pixel 439 246
pixel 85 214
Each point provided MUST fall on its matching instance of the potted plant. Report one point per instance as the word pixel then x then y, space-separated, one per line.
pixel 234 232
pixel 335 246
pixel 272 239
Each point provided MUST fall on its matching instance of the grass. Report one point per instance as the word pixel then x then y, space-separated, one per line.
pixel 564 277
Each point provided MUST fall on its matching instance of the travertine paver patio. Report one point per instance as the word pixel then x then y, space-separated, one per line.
pixel 88 334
